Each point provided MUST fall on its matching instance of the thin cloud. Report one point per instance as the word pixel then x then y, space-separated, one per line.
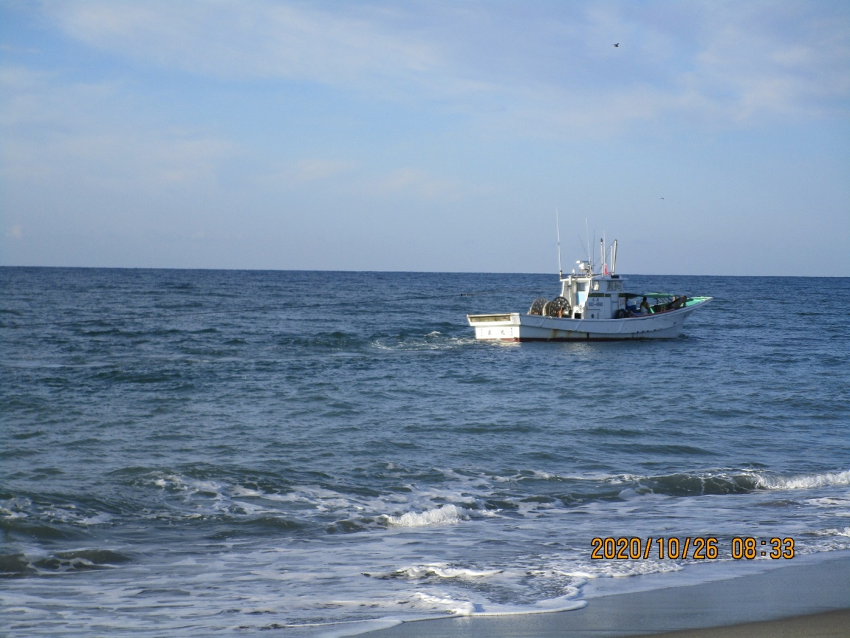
pixel 248 40
pixel 302 173
pixel 313 170
pixel 544 66
pixel 417 184
pixel 55 129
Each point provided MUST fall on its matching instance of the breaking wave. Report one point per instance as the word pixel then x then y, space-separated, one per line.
pixel 445 515
pixel 828 479
pixel 435 570
pixel 720 482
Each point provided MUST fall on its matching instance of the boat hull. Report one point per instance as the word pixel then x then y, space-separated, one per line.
pixel 522 327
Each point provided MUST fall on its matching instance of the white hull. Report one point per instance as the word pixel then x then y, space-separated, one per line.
pixel 524 327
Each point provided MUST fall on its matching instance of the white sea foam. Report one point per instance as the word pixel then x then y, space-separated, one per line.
pixel 636 484
pixel 97 519
pixel 11 514
pixel 834 531
pixel 583 572
pixel 239 490
pixel 831 502
pixel 432 341
pixel 440 570
pixel 426 506
pixel 432 602
pixel 485 608
pixel 181 483
pixel 444 515
pixel 803 482
pixel 553 605
pixel 623 478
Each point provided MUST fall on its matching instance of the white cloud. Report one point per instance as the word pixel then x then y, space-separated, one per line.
pixel 551 73
pixel 56 129
pixel 118 160
pixel 549 69
pixel 748 67
pixel 254 39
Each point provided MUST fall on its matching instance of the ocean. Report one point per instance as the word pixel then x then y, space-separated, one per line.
pixel 201 452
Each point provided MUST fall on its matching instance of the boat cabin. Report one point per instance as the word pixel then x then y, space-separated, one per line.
pixel 603 296
pixel 593 296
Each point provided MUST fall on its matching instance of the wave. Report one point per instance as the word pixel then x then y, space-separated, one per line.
pixel 446 608
pixel 415 340
pixel 720 482
pixel 232 502
pixel 254 526
pixel 434 570
pixel 453 607
pixel 47 517
pixel 445 515
pixel 18 565
pixel 805 482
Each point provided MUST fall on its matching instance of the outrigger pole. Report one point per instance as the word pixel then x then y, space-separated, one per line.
pixel 614 257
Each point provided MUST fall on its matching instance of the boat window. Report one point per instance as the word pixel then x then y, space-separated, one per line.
pixel 596 285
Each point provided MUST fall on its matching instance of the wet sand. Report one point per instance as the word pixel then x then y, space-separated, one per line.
pixel 826 625
pixel 800 599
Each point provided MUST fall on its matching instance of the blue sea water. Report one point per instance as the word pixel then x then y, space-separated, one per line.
pixel 211 452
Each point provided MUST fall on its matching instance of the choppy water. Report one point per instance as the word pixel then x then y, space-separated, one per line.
pixel 191 452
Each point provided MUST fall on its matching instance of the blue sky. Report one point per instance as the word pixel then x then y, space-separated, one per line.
pixel 426 136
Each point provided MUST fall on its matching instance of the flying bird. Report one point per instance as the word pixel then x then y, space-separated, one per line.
pixel 617 44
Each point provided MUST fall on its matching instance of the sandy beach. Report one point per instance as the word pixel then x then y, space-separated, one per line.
pixel 808 598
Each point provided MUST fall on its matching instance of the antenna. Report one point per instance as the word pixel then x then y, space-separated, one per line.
pixel 589 254
pixel 558 233
pixel 583 247
pixel 602 254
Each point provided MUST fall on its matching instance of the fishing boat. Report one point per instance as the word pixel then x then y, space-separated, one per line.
pixel 592 306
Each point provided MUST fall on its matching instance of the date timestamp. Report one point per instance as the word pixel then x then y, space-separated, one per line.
pixel 694 547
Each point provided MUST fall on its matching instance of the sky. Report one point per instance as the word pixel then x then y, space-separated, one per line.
pixel 426 136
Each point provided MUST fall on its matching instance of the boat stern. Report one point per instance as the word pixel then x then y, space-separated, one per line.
pixel 496 327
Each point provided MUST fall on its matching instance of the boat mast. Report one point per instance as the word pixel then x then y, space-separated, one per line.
pixel 558 233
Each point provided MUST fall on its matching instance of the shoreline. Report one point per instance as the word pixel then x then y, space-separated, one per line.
pixel 809 597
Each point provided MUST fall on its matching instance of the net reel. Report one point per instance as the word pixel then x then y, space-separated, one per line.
pixel 558 307
pixel 537 306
